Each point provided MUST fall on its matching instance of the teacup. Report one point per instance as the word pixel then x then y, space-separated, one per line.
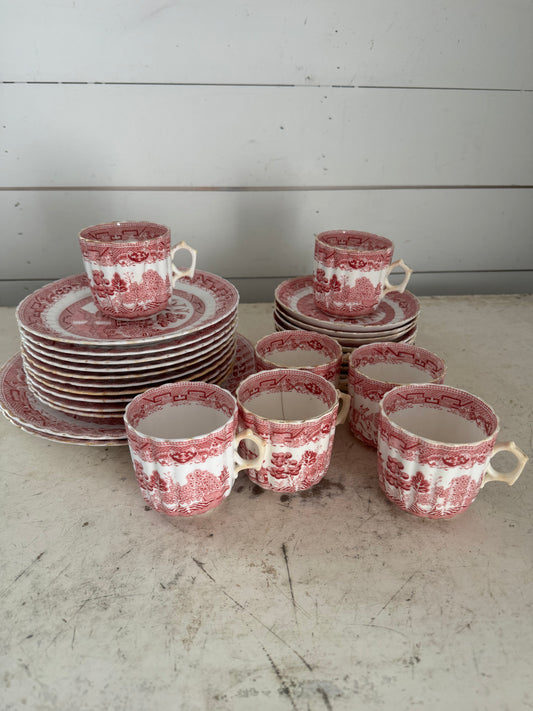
pixel 300 349
pixel 351 271
pixel 183 443
pixel 435 446
pixel 376 368
pixel 295 412
pixel 130 269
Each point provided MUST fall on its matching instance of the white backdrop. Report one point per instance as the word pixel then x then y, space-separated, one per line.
pixel 247 127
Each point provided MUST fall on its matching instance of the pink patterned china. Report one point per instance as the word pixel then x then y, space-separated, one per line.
pixel 29 413
pixel 295 412
pixel 296 297
pixel 348 341
pixel 375 369
pixel 65 312
pixel 99 369
pixel 435 446
pixel 243 365
pixel 21 407
pixel 351 272
pixel 123 355
pixel 183 442
pixel 116 378
pixel 300 349
pixel 130 269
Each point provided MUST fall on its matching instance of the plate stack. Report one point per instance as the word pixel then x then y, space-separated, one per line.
pixel 395 319
pixel 78 369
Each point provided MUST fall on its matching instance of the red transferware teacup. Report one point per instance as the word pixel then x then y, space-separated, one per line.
pixel 351 272
pixel 295 412
pixel 300 349
pixel 435 446
pixel 130 269
pixel 376 368
pixel 183 442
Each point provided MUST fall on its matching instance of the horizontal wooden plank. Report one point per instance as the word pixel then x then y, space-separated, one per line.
pixel 460 43
pixel 91 135
pixel 259 234
pixel 261 289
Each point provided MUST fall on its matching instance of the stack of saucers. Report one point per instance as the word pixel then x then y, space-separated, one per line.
pixel 78 369
pixel 395 319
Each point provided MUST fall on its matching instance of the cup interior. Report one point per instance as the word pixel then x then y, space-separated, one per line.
pixel 301 358
pixel 440 413
pixel 180 411
pixel 123 232
pixel 287 395
pixel 397 363
pixel 297 349
pixel 354 240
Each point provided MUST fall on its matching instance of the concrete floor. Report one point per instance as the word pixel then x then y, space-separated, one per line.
pixel 330 599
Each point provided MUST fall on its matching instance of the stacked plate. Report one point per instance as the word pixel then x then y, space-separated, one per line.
pixel 78 369
pixel 395 319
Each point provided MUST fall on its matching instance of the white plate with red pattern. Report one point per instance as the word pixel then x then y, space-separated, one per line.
pixel 75 369
pixel 64 311
pixel 127 388
pixel 30 414
pixel 125 355
pixel 358 338
pixel 296 297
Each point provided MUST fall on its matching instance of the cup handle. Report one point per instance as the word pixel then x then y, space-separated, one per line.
pixel 344 408
pixel 509 477
pixel 255 463
pixel 178 273
pixel 397 287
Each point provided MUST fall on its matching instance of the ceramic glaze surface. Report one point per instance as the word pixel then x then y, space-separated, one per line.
pixel 375 369
pixel 300 349
pixel 129 267
pixel 183 445
pixel 435 443
pixel 351 272
pixel 298 451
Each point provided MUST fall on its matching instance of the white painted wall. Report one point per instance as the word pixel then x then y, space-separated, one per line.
pixel 247 127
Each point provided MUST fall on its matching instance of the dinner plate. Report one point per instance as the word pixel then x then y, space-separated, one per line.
pixel 109 412
pixel 64 311
pixel 123 355
pixel 27 412
pixel 22 407
pixel 126 387
pixel 86 442
pixel 296 296
pixel 121 370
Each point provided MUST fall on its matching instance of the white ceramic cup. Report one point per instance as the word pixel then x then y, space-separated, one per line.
pixel 300 349
pixel 351 271
pixel 183 443
pixel 376 368
pixel 435 446
pixel 295 413
pixel 130 267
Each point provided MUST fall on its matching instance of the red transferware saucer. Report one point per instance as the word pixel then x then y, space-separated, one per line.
pixel 297 298
pixel 64 311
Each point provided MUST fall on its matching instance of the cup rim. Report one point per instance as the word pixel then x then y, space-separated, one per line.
pixel 180 383
pixel 328 342
pixel 393 345
pixel 300 372
pixel 442 387
pixel 117 223
pixel 387 243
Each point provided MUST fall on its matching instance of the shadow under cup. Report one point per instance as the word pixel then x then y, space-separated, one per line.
pixel 183 444
pixel 435 446
pixel 295 412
